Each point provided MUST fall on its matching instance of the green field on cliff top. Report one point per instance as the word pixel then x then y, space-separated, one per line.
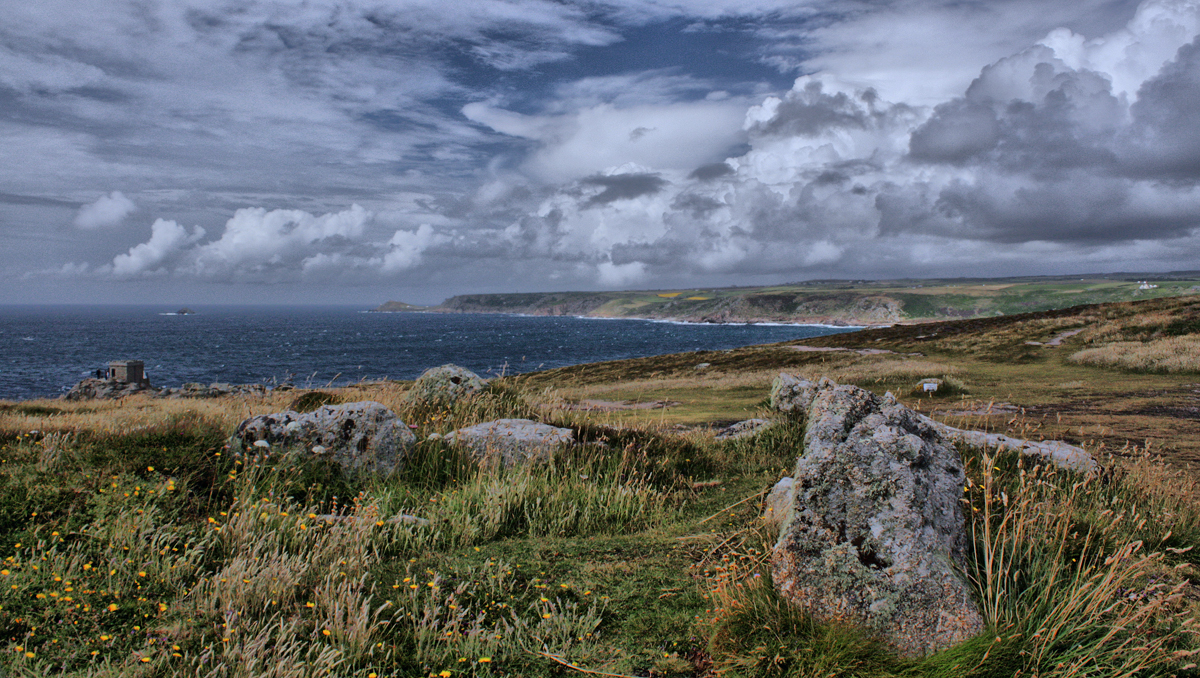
pixel 836 301
pixel 136 543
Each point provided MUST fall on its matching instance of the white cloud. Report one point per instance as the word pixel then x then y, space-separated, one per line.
pixel 680 136
pixel 406 247
pixel 620 275
pixel 1130 56
pixel 108 210
pixel 167 240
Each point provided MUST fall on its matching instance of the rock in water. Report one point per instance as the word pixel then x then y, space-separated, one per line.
pixel 511 441
pixel 362 436
pixel 445 385
pixel 875 534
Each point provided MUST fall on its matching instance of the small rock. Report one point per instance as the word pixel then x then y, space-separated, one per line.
pixel 702 366
pixel 512 441
pixel 779 499
pixel 742 429
pixel 445 385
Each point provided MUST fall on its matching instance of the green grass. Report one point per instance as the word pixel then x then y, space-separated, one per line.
pixel 150 549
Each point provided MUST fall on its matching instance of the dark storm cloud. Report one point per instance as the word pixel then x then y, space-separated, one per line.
pixel 623 187
pixel 711 171
pixel 1165 133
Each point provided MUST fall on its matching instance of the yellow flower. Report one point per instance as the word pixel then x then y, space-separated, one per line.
pixel 29 655
pixel 146 660
pixel 547 616
pixel 4 572
pixel 149 468
pixel 445 674
pixel 325 631
pixel 112 607
pixel 485 660
pixel 310 604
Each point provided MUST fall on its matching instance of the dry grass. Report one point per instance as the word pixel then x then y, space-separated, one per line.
pixel 1169 355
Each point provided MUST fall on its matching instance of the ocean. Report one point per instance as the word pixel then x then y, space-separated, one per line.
pixel 44 350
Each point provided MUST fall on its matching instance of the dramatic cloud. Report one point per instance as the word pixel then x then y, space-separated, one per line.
pixel 109 210
pixel 533 144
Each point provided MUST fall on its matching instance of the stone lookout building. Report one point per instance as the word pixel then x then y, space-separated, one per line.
pixel 127 371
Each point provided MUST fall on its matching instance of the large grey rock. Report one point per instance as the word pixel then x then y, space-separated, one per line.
pixel 362 436
pixel 791 394
pixel 511 441
pixel 875 534
pixel 445 385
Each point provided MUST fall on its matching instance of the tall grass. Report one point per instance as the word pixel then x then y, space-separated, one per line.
pixel 1169 355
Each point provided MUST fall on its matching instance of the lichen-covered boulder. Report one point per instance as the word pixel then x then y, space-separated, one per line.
pixel 511 441
pixel 443 386
pixel 795 395
pixel 791 394
pixel 875 533
pixel 362 436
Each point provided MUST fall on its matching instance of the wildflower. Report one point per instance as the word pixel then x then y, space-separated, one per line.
pixel 29 655
pixel 112 607
pixel 485 660
pixel 445 674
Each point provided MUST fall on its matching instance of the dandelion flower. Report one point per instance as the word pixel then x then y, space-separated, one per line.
pixel 112 607
pixel 485 660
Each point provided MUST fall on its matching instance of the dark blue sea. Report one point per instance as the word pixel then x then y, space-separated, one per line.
pixel 45 350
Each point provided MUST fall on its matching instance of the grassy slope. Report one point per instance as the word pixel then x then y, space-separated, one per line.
pixel 639 560
pixel 829 302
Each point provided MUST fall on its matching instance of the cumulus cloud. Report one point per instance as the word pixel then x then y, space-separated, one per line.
pixel 167 241
pixel 1059 148
pixel 260 245
pixel 108 210
pixel 930 137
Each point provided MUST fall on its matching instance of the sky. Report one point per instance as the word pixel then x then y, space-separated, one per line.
pixel 356 151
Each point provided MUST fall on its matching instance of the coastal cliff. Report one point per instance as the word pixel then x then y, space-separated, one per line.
pixel 844 303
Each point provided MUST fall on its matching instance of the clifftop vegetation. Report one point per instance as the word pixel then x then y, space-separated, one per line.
pixel 831 302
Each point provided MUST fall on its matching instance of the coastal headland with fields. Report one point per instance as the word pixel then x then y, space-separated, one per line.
pixel 833 302
pixel 141 538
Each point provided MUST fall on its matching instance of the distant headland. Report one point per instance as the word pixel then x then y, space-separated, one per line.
pixel 832 302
